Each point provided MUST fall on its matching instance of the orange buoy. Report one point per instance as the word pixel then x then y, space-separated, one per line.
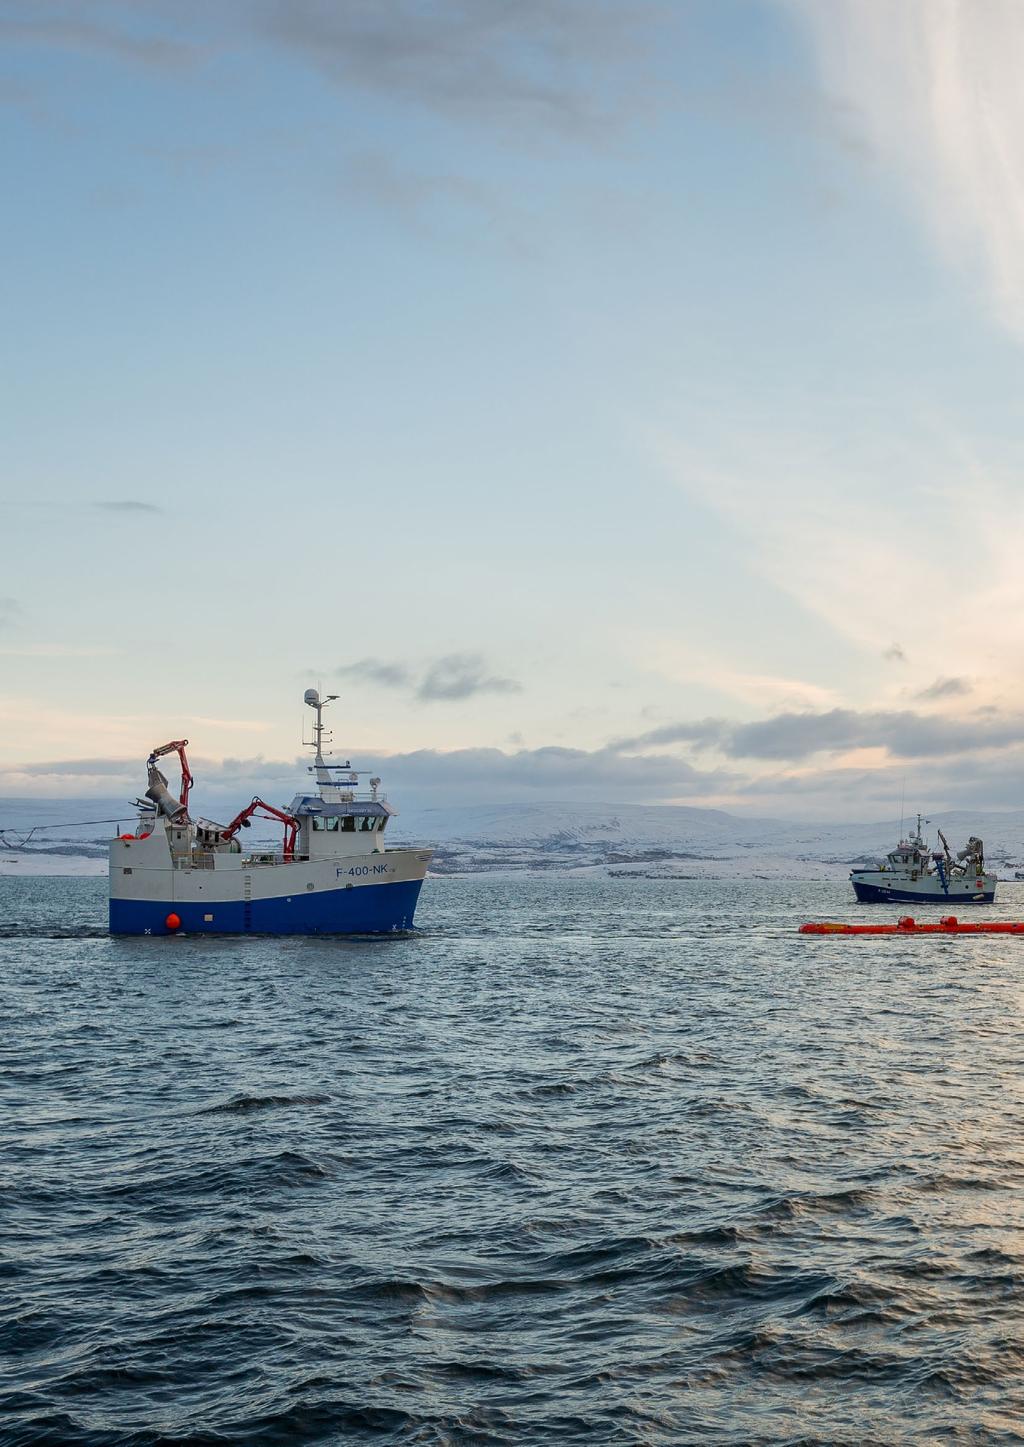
pixel 127 836
pixel 172 922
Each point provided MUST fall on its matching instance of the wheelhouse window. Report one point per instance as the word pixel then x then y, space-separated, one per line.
pixel 349 823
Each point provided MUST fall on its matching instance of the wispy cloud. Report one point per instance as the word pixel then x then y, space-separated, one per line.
pixel 803 502
pixel 685 660
pixel 78 768
pixel 451 677
pixel 419 199
pixel 128 505
pixel 10 608
pixel 944 688
pixel 894 653
pixel 127 33
pixel 462 675
pixel 937 86
pixel 532 61
pixel 57 650
pixel 376 670
pixel 557 65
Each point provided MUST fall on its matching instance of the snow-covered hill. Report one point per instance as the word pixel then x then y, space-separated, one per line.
pixel 661 840
pixel 671 840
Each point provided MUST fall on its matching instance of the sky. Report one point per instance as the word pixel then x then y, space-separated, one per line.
pixel 607 399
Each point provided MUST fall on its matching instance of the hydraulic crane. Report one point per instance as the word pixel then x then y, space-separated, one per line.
pixel 241 821
pixel 159 793
pixel 176 746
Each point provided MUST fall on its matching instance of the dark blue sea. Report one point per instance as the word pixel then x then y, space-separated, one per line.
pixel 581 1161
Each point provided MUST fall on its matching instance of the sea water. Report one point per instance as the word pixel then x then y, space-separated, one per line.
pixel 583 1160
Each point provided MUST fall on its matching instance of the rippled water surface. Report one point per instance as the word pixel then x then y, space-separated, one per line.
pixel 583 1161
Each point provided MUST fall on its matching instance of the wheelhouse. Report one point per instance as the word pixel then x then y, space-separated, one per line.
pixel 331 827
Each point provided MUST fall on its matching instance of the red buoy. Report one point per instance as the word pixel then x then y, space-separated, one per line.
pixel 172 922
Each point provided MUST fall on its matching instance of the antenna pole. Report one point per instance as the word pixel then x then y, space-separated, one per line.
pixel 318 733
pixel 317 704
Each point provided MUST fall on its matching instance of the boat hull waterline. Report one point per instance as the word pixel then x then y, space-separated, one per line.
pixel 889 894
pixel 384 909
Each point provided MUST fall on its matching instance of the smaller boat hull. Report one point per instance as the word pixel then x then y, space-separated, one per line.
pixel 868 893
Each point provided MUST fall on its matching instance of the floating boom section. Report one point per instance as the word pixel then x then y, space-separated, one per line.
pixel 159 791
pixel 241 821
pixel 907 925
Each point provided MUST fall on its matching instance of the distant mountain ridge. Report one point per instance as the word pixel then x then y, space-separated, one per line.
pixel 670 840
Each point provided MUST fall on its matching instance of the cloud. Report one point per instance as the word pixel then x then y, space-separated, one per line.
pixel 490 60
pixel 219 783
pixel 128 505
pixel 785 498
pixel 560 65
pixel 76 768
pixel 470 775
pixel 58 650
pixel 375 177
pixel 790 736
pixel 462 675
pixel 894 653
pixel 10 609
pixel 936 84
pixel 451 677
pixel 944 688
pixel 488 773
pixel 390 675
pixel 971 783
pixel 984 776
pixel 102 32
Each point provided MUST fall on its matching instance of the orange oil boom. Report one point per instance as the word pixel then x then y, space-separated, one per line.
pixel 907 925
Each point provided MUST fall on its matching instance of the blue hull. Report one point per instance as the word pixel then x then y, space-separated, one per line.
pixel 373 909
pixel 871 894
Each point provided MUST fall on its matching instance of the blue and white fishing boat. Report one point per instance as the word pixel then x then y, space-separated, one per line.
pixel 915 874
pixel 332 874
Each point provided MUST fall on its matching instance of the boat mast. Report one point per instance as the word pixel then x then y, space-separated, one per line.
pixel 318 704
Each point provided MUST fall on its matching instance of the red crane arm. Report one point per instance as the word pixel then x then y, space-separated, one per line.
pixel 291 824
pixel 177 746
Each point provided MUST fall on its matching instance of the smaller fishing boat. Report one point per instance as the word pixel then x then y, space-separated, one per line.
pixel 916 874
